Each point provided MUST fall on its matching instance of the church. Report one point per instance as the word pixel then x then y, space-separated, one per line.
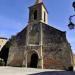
pixel 40 45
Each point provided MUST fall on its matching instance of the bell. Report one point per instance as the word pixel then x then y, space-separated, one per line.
pixel 71 25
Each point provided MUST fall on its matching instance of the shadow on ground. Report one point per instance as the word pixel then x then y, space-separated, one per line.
pixel 55 73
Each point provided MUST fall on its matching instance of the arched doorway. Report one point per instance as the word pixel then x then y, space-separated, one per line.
pixel 34 60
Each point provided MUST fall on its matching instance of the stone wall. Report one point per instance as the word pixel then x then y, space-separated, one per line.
pixel 16 51
pixel 34 34
pixel 49 43
pixel 56 49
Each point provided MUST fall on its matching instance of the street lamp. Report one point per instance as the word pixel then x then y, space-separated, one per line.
pixel 71 25
pixel 73 5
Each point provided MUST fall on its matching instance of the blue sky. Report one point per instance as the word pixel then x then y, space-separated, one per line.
pixel 14 16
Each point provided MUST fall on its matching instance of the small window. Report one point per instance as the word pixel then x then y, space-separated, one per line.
pixel 44 17
pixel 35 14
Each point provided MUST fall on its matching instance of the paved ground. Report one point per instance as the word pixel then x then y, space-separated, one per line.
pixel 30 71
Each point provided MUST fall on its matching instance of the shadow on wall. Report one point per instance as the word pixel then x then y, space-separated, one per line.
pixel 4 54
pixel 70 68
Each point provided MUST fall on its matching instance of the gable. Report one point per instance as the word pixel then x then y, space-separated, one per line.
pixel 52 35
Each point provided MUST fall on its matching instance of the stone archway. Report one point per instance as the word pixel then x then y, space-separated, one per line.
pixel 34 60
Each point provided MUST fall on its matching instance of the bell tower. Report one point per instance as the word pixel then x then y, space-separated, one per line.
pixel 38 13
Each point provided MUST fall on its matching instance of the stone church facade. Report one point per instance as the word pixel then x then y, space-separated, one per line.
pixel 39 45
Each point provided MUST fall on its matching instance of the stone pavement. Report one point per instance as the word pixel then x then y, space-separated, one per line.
pixel 30 71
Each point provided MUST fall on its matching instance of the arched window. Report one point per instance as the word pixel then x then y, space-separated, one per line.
pixel 35 14
pixel 44 17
